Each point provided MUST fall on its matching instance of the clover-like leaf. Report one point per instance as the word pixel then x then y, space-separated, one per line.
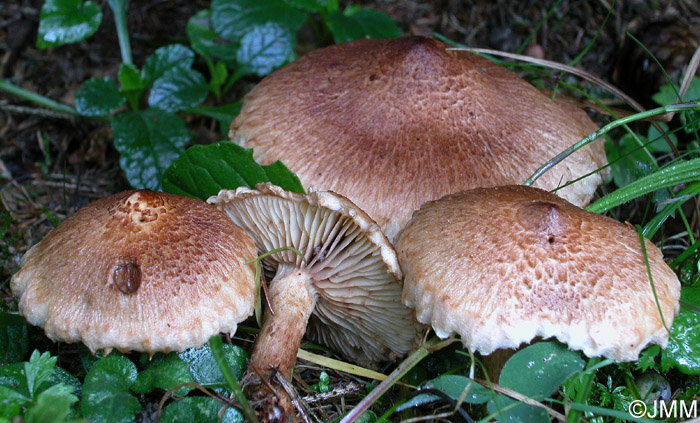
pixel 98 97
pixel 178 89
pixel 265 48
pixel 165 59
pixel 67 21
pixel 683 350
pixel 232 19
pixel 106 396
pixel 205 170
pixel 148 142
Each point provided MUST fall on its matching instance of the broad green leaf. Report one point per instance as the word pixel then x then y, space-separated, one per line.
pixel 658 142
pixel 629 161
pixel 204 369
pixel 178 89
pixel 130 78
pixel 314 6
pixel 164 372
pixel 224 114
pixel 148 142
pixel 535 371
pixel 232 19
pixel 679 173
pixel 265 48
pixel 165 59
pixel 219 74
pixel 355 23
pixel 205 41
pixel 98 97
pixel 667 95
pixel 453 386
pixel 37 370
pixel 205 170
pixel 61 376
pixel 11 402
pixel 199 410
pixel 52 406
pixel 67 21
pixel 106 397
pixel 12 376
pixel 683 350
pixel 14 338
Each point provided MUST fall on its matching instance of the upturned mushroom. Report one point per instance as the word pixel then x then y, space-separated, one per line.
pixel 394 123
pixel 504 265
pixel 344 292
pixel 139 270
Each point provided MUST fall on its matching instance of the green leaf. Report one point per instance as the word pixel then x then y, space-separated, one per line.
pixel 178 89
pixel 683 350
pixel 667 95
pixel 106 396
pixel 164 59
pixel 98 97
pixel 658 143
pixel 52 406
pixel 204 369
pixel 11 402
pixel 148 142
pixel 12 376
pixel 205 41
pixel 535 371
pixel 67 21
pixel 130 78
pixel 314 6
pixel 629 161
pixel 199 410
pixel 164 372
pixel 37 370
pixel 265 48
pixel 14 338
pixel 224 114
pixel 205 170
pixel 453 386
pixel 355 23
pixel 232 19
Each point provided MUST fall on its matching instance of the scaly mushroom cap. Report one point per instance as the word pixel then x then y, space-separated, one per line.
pixel 501 266
pixel 354 271
pixel 139 270
pixel 391 124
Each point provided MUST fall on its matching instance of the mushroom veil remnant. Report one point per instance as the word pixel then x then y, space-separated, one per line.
pixel 394 123
pixel 139 270
pixel 504 265
pixel 347 286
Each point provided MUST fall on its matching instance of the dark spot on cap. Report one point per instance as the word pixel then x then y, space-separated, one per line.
pixel 127 278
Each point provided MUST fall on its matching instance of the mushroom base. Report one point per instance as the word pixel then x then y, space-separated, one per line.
pixel 291 302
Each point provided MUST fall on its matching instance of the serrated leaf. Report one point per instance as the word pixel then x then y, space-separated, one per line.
pixel 11 402
pixel 205 370
pixel 148 142
pixel 164 59
pixel 205 170
pixel 178 89
pixel 199 410
pixel 130 78
pixel 535 371
pixel 205 41
pixel 164 372
pixel 98 97
pixel 37 370
pixel 232 19
pixel 14 338
pixel 683 350
pixel 67 21
pixel 355 23
pixel 225 114
pixel 106 396
pixel 265 48
pixel 52 406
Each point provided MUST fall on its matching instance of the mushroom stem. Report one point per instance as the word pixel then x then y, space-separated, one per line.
pixel 292 300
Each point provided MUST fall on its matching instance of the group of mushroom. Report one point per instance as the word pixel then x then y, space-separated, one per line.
pixel 406 147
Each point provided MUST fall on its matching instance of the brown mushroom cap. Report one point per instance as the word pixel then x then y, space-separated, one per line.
pixel 350 267
pixel 391 124
pixel 504 265
pixel 139 270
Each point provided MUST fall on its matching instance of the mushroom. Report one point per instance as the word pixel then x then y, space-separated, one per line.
pixel 139 270
pixel 394 123
pixel 501 266
pixel 346 284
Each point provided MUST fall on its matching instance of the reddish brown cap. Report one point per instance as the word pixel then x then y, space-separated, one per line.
pixel 394 123
pixel 504 265
pixel 139 270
